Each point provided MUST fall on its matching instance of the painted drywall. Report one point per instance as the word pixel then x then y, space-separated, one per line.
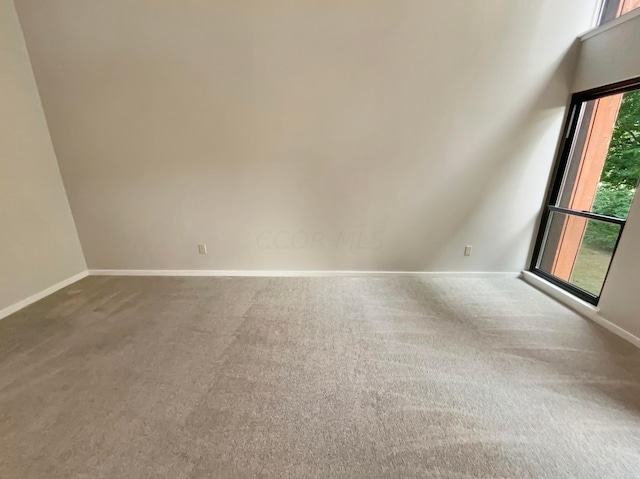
pixel 39 246
pixel 620 299
pixel 306 135
pixel 609 56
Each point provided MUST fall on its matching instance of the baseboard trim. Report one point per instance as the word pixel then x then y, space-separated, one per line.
pixel 299 274
pixel 42 294
pixel 581 307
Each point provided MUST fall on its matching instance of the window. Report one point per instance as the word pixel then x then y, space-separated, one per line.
pixel 595 181
pixel 612 9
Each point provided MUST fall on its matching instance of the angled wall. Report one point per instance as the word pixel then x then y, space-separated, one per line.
pixel 307 135
pixel 39 245
pixel 610 55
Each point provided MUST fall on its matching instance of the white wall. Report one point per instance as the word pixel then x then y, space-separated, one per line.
pixel 607 57
pixel 421 125
pixel 620 300
pixel 609 54
pixel 38 242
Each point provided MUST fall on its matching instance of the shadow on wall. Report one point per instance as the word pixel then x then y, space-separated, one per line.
pixel 229 124
pixel 495 180
pixel 435 190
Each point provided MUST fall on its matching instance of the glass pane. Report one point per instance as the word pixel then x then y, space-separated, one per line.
pixel 616 8
pixel 604 165
pixel 578 250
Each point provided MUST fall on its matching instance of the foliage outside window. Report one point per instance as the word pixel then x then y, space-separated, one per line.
pixel 620 176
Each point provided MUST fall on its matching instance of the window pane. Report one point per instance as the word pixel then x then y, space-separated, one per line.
pixel 578 250
pixel 616 8
pixel 604 165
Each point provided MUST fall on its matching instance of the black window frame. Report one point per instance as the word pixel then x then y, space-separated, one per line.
pixel 570 132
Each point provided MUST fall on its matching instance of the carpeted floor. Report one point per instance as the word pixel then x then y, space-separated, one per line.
pixel 313 378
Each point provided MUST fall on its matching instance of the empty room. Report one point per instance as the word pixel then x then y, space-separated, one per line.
pixel 319 239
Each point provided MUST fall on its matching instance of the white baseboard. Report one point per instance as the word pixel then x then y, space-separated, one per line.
pixel 298 274
pixel 581 307
pixel 42 294
pixel 585 309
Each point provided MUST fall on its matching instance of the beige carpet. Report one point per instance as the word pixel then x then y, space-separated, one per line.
pixel 316 377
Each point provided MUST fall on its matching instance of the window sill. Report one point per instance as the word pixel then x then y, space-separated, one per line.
pixel 581 307
pixel 559 294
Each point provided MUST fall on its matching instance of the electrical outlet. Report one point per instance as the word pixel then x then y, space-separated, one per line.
pixel 467 250
pixel 202 248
